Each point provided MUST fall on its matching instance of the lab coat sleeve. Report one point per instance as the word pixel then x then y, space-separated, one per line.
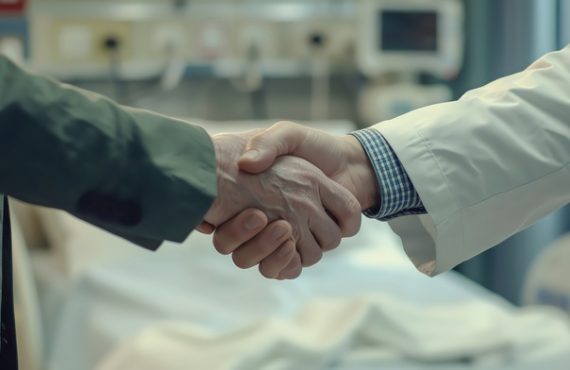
pixel 140 175
pixel 486 166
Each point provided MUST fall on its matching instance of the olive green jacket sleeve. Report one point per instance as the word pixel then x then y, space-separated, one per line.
pixel 140 175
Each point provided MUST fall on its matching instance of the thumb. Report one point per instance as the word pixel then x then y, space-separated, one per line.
pixel 263 149
pixel 257 159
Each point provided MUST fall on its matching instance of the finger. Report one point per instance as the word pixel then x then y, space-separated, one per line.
pixel 293 270
pixel 205 228
pixel 342 206
pixel 276 262
pixel 262 149
pixel 325 231
pixel 239 230
pixel 263 245
pixel 309 249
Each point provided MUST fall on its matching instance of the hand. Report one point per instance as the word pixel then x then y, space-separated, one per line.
pixel 250 239
pixel 341 158
pixel 318 211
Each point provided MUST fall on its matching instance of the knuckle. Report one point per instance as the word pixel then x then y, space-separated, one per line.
pixel 310 259
pixel 356 224
pixel 288 250
pixel 241 262
pixel 284 125
pixel 265 248
pixel 353 205
pixel 284 255
pixel 293 272
pixel 352 219
pixel 271 266
pixel 310 208
pixel 221 246
pixel 296 273
pixel 282 227
pixel 266 272
pixel 255 141
pixel 333 242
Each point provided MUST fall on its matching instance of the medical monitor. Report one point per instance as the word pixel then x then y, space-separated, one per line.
pixel 410 36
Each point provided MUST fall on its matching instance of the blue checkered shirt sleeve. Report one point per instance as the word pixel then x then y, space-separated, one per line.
pixel 398 197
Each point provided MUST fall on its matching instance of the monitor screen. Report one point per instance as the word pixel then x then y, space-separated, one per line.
pixel 407 30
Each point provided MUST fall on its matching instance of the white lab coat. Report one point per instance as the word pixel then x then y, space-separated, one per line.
pixel 486 166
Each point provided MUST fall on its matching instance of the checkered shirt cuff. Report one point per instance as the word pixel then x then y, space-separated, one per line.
pixel 398 197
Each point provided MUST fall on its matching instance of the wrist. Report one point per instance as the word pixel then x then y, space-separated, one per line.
pixel 226 171
pixel 362 173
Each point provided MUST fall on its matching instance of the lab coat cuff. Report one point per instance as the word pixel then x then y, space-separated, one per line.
pixel 428 239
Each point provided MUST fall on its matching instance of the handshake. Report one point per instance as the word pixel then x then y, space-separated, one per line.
pixel 286 195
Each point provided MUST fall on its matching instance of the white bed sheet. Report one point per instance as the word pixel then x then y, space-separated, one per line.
pixel 364 306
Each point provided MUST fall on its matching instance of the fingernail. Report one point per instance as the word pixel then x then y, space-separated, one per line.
pixel 253 223
pixel 251 155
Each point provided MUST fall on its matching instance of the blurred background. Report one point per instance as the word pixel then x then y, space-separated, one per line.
pixel 334 64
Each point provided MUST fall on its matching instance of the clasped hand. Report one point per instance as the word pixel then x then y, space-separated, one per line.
pixel 286 195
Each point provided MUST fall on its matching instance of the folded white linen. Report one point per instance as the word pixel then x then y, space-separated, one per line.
pixel 186 307
pixel 375 330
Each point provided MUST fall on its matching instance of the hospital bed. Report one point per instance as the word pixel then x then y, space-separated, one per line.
pixel 108 305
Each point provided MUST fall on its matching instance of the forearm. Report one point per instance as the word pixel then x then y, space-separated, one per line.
pixel 120 168
pixel 488 165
